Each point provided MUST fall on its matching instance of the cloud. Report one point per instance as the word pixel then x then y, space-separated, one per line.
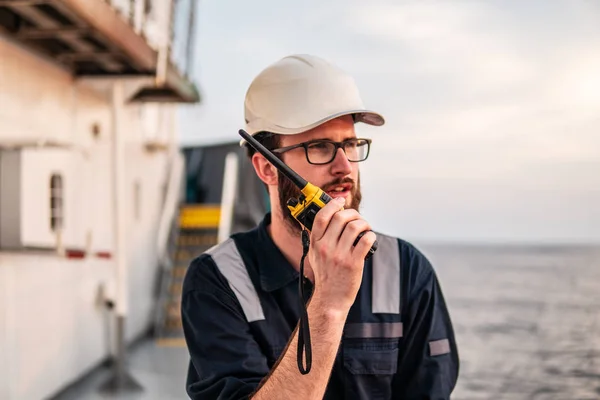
pixel 492 108
pixel 577 86
pixel 413 22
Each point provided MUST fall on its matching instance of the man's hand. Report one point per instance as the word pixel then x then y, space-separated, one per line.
pixel 338 268
pixel 338 265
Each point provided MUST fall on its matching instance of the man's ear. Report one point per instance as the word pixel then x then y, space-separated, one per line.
pixel 264 169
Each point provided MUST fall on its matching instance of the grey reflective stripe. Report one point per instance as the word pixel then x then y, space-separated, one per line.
pixel 229 261
pixel 439 347
pixel 374 330
pixel 386 276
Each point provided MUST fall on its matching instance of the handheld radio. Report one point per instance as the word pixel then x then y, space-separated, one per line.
pixel 305 208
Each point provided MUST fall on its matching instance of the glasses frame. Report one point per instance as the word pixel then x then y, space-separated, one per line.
pixel 338 145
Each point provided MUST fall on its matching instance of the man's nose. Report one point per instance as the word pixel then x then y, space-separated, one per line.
pixel 340 164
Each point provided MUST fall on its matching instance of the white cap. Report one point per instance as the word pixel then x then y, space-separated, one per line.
pixel 300 92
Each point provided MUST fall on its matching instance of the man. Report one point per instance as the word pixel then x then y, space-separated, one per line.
pixel 379 328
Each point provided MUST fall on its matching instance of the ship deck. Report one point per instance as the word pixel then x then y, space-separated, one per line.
pixel 160 370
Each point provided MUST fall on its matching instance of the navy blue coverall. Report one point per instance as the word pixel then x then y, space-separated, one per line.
pixel 240 306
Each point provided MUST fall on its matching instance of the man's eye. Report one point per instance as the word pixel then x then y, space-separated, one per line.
pixel 319 146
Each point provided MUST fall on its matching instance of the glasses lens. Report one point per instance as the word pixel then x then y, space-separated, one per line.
pixel 320 152
pixel 357 149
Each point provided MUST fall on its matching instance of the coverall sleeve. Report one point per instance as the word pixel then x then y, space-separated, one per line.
pixel 226 362
pixel 429 363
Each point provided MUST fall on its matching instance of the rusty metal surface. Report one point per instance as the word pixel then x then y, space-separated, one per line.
pixel 103 19
pixel 89 38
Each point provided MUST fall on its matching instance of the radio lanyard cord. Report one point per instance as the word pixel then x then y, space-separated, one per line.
pixel 304 329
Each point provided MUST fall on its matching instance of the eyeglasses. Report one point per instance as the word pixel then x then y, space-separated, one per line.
pixel 321 151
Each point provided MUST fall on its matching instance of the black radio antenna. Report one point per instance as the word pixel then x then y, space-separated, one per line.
pixel 280 165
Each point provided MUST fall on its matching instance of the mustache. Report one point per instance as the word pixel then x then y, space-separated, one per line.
pixel 337 182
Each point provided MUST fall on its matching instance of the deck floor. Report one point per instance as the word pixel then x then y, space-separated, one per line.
pixel 160 370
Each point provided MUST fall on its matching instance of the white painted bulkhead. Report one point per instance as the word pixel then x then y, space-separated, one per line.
pixel 53 327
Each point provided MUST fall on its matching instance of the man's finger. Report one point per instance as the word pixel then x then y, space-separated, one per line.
pixel 338 224
pixel 324 216
pixel 352 230
pixel 364 245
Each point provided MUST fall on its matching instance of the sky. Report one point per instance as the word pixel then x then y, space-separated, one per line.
pixel 492 108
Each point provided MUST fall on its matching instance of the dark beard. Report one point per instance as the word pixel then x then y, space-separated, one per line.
pixel 287 190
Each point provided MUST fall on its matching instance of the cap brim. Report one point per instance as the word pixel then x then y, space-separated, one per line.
pixel 365 116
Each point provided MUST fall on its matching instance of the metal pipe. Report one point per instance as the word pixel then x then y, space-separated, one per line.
pixel 139 16
pixel 191 36
pixel 169 210
pixel 119 199
pixel 121 381
pixel 228 196
pixel 163 52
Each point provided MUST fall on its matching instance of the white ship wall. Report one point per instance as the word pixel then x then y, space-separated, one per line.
pixel 53 327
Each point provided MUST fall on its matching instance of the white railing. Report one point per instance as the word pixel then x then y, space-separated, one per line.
pixel 228 196
pixel 164 24
pixel 170 207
